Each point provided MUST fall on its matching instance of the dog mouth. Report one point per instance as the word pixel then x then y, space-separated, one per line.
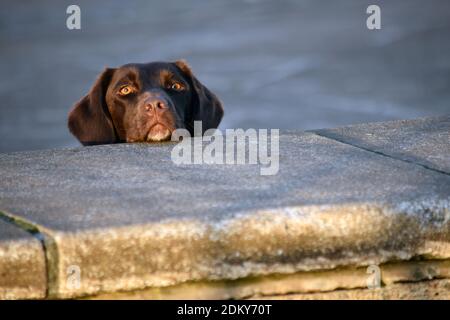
pixel 159 132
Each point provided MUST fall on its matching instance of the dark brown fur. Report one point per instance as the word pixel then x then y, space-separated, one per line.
pixel 151 113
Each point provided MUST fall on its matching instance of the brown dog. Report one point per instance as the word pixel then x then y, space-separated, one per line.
pixel 143 102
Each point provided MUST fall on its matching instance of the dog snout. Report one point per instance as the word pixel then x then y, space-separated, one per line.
pixel 155 105
pixel 154 102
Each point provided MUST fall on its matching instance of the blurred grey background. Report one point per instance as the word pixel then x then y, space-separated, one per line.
pixel 275 64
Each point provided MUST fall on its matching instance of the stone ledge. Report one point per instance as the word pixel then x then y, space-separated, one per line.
pixel 131 219
pixel 349 281
pixel 23 272
pixel 423 141
pixel 425 290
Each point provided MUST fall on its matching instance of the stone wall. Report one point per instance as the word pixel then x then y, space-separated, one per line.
pixel 346 205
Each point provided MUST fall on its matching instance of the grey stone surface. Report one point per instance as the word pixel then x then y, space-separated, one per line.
pixel 130 218
pixel 424 141
pixel 23 273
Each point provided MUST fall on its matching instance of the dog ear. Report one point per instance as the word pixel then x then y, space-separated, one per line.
pixel 206 106
pixel 89 120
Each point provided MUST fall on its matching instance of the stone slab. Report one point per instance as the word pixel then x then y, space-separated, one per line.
pixel 426 290
pixel 425 141
pixel 130 219
pixel 301 284
pixel 22 264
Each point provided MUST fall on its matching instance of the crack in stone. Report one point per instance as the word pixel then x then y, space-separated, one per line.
pixel 48 245
pixel 380 153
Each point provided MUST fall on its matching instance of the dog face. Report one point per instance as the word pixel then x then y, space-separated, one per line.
pixel 143 103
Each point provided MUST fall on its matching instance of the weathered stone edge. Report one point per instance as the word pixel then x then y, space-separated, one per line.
pixel 438 289
pixel 300 284
pixel 23 266
pixel 283 240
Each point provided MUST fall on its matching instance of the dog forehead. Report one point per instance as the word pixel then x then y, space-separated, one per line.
pixel 153 72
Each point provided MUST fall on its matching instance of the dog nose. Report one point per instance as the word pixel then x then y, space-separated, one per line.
pixel 155 105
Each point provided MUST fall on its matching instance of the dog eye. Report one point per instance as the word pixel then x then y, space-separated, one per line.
pixel 125 90
pixel 176 86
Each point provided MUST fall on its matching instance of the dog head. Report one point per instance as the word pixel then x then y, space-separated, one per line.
pixel 143 103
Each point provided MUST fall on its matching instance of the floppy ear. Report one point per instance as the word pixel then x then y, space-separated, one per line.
pixel 206 106
pixel 89 119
